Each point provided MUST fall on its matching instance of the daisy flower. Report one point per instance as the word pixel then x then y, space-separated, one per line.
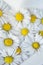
pixel 21 16
pixel 4 10
pixel 40 26
pixel 8 40
pixel 9 58
pixel 37 16
pixel 22 51
pixel 40 30
pixel 7 26
pixel 35 44
pixel 23 31
pixel 34 19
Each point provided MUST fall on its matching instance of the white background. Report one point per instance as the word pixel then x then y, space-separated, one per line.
pixel 36 59
pixel 25 3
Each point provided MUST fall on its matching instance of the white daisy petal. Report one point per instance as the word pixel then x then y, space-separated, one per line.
pixel 1 60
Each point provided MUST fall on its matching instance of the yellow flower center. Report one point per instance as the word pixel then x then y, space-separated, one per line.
pixel 41 33
pixel 18 50
pixel 24 31
pixel 19 17
pixel 6 27
pixel 33 18
pixel 1 13
pixel 8 42
pixel 8 59
pixel 35 45
pixel 42 21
